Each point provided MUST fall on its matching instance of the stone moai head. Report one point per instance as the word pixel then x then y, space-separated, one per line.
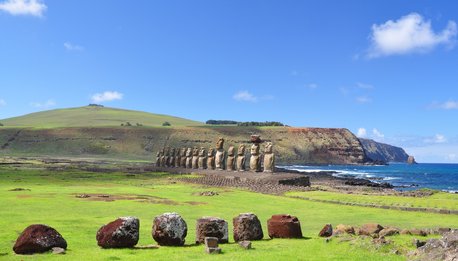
pixel 211 152
pixel 172 152
pixel 183 152
pixel 268 148
pixel 255 149
pixel 202 152
pixel 195 151
pixel 231 151
pixel 220 143
pixel 189 152
pixel 167 151
pixel 158 154
pixel 241 150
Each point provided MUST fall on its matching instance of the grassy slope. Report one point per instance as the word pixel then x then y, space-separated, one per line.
pixel 91 116
pixel 52 201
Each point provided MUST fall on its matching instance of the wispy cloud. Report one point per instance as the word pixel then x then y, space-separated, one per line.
pixel 312 86
pixel 106 96
pixel 438 138
pixel 24 7
pixel 245 96
pixel 43 105
pixel 377 134
pixel 448 105
pixel 365 86
pixel 409 34
pixel 2 102
pixel 363 99
pixel 73 47
pixel 362 133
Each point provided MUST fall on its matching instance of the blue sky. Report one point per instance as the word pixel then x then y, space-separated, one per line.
pixel 386 70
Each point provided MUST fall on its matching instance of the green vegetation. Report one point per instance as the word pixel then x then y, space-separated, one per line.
pixel 166 123
pixel 221 122
pixel 93 116
pixel 439 200
pixel 261 124
pixel 51 200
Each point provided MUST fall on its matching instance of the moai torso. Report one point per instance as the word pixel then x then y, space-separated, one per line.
pixel 202 164
pixel 172 158
pixel 163 158
pixel 220 154
pixel 269 158
pixel 183 157
pixel 211 159
pixel 158 159
pixel 177 158
pixel 255 159
pixel 195 158
pixel 230 162
pixel 167 157
pixel 241 158
pixel 189 158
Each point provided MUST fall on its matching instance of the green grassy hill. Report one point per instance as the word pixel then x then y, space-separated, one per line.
pixel 93 116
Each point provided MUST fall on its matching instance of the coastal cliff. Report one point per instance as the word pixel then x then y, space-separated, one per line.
pixel 383 152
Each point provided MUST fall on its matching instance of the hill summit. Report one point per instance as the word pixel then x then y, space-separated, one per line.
pixel 94 116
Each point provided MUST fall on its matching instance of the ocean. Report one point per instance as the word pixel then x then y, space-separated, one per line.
pixel 403 176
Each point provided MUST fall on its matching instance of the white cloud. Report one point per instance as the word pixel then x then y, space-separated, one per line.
pixel 73 47
pixel 377 134
pixel 106 96
pixel 363 99
pixel 362 133
pixel 409 34
pixel 438 138
pixel 43 105
pixel 312 86
pixel 448 105
pixel 2 102
pixel 364 86
pixel 24 7
pixel 245 96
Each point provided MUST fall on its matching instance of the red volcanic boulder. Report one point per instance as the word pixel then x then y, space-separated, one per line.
pixel 284 226
pixel 38 239
pixel 123 232
pixel 247 227
pixel 370 229
pixel 211 227
pixel 326 231
pixel 169 229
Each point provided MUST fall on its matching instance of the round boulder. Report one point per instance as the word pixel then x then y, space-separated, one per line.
pixel 284 226
pixel 326 231
pixel 169 229
pixel 211 227
pixel 121 233
pixel 38 239
pixel 247 227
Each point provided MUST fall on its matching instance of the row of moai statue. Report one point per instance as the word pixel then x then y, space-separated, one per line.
pixel 217 158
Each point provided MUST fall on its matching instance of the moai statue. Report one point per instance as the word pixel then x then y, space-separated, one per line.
pixel 230 162
pixel 164 157
pixel 177 158
pixel 195 158
pixel 211 158
pixel 220 154
pixel 255 159
pixel 202 158
pixel 269 158
pixel 241 158
pixel 172 158
pixel 158 158
pixel 167 157
pixel 183 157
pixel 189 158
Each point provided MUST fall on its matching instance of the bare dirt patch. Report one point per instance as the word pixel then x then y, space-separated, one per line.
pixel 195 203
pixel 138 198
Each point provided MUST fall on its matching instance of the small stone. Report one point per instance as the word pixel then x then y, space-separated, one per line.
pixel 418 232
pixel 389 231
pixel 328 239
pixel 326 231
pixel 342 229
pixel 38 239
pixel 211 242
pixel 213 250
pixel 370 229
pixel 58 250
pixel 417 243
pixel 120 233
pixel 245 244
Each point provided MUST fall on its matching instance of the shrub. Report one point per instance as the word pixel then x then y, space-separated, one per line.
pixel 166 123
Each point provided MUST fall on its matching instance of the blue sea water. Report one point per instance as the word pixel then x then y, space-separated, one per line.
pixel 404 176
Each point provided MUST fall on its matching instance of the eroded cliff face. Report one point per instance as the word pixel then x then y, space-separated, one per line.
pixel 383 152
pixel 291 145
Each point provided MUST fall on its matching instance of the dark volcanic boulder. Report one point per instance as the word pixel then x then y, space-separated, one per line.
pixel 38 239
pixel 169 229
pixel 211 227
pixel 326 231
pixel 247 227
pixel 123 232
pixel 284 226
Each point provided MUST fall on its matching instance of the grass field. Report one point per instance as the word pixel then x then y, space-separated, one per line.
pixel 51 200
pixel 92 116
